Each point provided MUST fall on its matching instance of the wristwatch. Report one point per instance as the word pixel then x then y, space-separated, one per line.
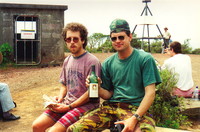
pixel 137 117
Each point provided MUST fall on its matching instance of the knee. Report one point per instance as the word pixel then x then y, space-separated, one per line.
pixel 36 126
pixel 4 86
pixel 57 128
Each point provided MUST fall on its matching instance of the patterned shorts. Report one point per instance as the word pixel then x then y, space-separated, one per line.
pixel 104 117
pixel 66 119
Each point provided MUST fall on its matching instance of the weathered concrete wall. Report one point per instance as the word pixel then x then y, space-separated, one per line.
pixel 51 20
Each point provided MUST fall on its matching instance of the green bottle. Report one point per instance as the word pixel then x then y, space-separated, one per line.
pixel 93 86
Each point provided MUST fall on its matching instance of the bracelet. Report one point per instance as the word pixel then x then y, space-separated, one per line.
pixel 70 107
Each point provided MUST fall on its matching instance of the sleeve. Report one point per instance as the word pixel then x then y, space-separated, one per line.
pixel 167 64
pixel 98 69
pixel 63 72
pixel 164 66
pixel 150 72
pixel 63 76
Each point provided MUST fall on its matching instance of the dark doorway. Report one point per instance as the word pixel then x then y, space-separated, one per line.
pixel 27 48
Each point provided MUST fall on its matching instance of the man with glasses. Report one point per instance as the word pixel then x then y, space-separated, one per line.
pixel 73 98
pixel 128 86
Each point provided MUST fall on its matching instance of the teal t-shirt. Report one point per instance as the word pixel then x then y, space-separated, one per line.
pixel 128 77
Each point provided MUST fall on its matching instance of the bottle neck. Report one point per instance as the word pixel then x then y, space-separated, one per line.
pixel 93 73
pixel 93 70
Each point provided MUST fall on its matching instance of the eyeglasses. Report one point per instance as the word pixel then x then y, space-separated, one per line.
pixel 74 39
pixel 115 38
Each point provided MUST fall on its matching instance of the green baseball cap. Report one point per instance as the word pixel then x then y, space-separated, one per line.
pixel 119 25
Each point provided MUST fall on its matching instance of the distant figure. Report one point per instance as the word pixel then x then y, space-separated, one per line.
pixel 167 37
pixel 180 64
pixel 7 104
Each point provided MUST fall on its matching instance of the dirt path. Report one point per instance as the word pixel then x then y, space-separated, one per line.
pixel 27 86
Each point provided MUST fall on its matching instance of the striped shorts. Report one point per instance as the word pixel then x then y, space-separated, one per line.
pixel 66 119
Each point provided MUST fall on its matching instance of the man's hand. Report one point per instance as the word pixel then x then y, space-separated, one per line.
pixel 59 108
pixel 87 82
pixel 57 99
pixel 129 124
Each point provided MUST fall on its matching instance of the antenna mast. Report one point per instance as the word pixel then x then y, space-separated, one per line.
pixel 147 11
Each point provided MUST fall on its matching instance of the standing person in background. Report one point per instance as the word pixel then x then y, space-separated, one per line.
pixel 73 93
pixel 7 103
pixel 180 65
pixel 128 86
pixel 167 37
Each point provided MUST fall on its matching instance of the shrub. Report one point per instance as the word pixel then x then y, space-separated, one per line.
pixel 6 51
pixel 196 51
pixel 166 109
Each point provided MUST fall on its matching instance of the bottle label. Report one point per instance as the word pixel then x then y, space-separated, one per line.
pixel 93 90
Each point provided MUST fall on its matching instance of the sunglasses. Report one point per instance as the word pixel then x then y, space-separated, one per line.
pixel 115 38
pixel 74 39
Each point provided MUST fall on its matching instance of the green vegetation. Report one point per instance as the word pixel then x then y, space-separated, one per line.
pixel 99 42
pixel 186 49
pixel 167 109
pixel 6 50
pixel 196 51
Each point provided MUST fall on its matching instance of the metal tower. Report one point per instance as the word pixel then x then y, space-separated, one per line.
pixel 146 11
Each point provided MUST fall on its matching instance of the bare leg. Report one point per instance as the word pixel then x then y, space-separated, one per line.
pixel 42 123
pixel 57 128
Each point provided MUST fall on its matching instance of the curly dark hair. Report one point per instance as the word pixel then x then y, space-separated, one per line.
pixel 74 27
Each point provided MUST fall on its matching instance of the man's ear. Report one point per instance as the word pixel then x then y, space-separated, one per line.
pixel 83 41
pixel 131 36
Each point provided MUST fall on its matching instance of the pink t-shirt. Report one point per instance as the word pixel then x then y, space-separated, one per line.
pixel 74 73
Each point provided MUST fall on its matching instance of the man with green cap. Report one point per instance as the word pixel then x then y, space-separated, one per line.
pixel 128 87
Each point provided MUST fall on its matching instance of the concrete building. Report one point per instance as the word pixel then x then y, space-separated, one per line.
pixel 34 32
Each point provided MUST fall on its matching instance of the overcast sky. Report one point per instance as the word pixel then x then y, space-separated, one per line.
pixel 181 17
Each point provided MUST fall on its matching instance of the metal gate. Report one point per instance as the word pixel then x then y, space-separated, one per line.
pixel 27 47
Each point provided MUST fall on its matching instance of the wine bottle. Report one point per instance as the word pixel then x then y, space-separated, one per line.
pixel 93 86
